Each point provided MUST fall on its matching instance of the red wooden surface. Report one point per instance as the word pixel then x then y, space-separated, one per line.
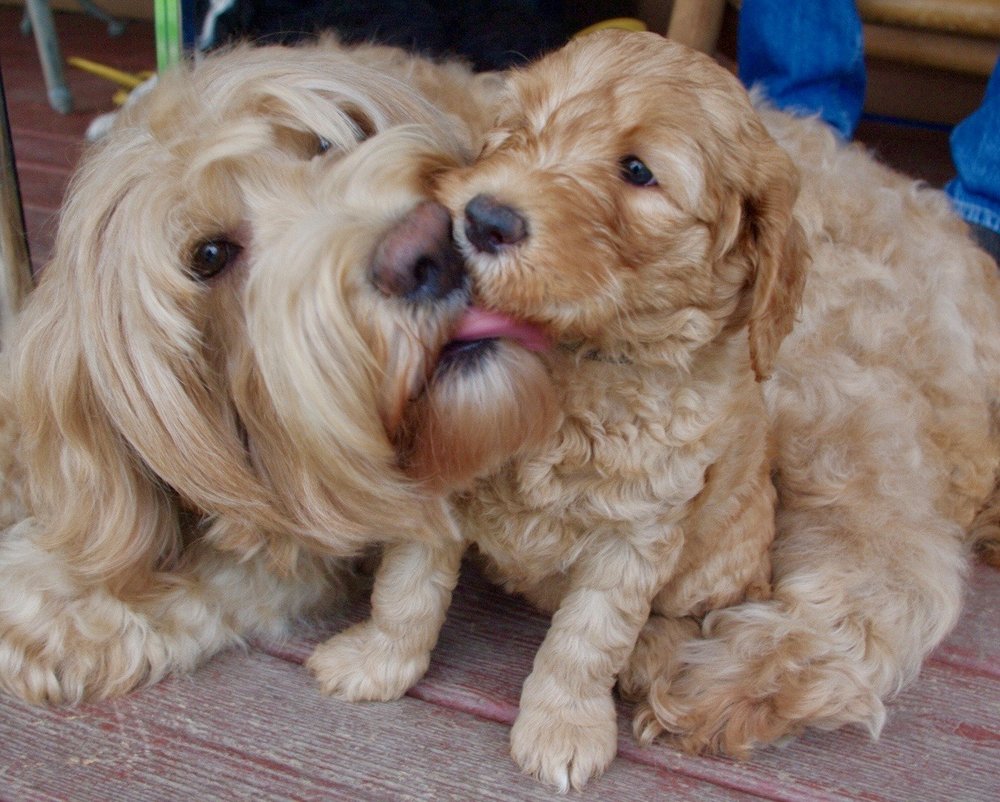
pixel 251 725
pixel 942 739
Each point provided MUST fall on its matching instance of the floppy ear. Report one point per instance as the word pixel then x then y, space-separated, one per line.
pixel 95 501
pixel 778 253
pixel 121 417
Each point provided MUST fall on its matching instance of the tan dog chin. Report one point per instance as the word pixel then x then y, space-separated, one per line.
pixel 634 205
pixel 229 378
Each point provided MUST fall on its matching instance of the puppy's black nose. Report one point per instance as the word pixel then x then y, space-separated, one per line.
pixel 490 226
pixel 418 259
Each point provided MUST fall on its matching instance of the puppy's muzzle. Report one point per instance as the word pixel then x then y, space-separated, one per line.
pixel 491 226
pixel 418 260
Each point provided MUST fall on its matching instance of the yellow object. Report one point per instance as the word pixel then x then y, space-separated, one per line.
pixel 623 23
pixel 126 79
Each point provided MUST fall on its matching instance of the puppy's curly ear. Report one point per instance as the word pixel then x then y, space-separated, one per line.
pixel 777 248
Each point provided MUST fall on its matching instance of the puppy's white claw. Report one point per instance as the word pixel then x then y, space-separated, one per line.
pixel 363 664
pixel 565 748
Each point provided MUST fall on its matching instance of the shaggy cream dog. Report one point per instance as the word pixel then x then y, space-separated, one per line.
pixel 635 206
pixel 224 383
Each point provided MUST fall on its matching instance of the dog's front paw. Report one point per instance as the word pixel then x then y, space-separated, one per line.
pixel 40 679
pixel 363 664
pixel 565 746
pixel 63 643
pixel 60 663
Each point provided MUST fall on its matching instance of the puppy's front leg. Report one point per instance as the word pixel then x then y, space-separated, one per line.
pixel 381 658
pixel 566 731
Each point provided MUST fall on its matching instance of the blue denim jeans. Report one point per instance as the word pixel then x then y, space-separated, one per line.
pixel 975 150
pixel 808 58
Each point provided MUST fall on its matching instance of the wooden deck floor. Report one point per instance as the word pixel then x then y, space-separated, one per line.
pixel 251 725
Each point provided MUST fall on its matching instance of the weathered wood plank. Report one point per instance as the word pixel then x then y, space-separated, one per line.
pixel 55 150
pixel 249 726
pixel 43 185
pixel 947 723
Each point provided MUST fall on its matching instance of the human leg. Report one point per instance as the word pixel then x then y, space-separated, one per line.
pixel 975 150
pixel 806 56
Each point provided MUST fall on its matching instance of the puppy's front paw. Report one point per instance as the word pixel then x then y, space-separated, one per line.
pixel 565 746
pixel 363 664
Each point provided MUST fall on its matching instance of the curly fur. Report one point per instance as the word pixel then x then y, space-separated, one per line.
pixel 653 496
pixel 884 408
pixel 668 304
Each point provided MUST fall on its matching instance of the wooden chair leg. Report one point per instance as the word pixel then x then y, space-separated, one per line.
pixel 696 23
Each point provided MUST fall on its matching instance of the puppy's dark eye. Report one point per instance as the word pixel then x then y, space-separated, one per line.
pixel 211 257
pixel 635 172
pixel 322 145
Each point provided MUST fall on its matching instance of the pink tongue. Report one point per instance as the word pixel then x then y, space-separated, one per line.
pixel 480 324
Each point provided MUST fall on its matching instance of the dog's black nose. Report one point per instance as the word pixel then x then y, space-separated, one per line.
pixel 418 259
pixel 490 225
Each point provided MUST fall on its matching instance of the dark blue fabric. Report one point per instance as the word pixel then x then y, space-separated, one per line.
pixel 808 58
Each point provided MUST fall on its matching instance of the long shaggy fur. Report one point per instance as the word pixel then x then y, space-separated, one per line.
pixel 189 460
pixel 879 419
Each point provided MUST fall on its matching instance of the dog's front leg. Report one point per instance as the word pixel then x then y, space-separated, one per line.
pixel 64 639
pixel 566 731
pixel 383 657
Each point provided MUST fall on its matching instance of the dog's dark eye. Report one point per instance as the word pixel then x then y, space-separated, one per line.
pixel 635 172
pixel 211 257
pixel 322 145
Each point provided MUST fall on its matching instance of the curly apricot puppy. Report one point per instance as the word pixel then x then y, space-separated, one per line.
pixel 616 214
pixel 222 384
pixel 634 205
